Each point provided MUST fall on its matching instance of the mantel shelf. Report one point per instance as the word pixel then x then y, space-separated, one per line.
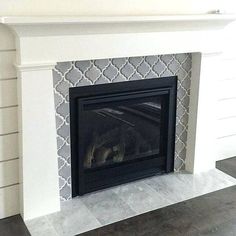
pixel 43 40
pixel 33 20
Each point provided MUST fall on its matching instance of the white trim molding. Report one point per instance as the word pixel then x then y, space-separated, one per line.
pixel 41 42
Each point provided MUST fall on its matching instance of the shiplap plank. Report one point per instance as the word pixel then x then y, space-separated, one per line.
pixel 226 108
pixel 7 69
pixel 226 147
pixel 6 38
pixel 9 201
pixel 226 89
pixel 8 92
pixel 226 127
pixel 9 172
pixel 8 120
pixel 8 147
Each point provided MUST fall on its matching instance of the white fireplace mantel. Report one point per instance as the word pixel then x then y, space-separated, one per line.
pixel 50 39
pixel 41 42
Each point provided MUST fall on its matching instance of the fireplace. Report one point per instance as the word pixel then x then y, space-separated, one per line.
pixel 121 132
pixel 91 38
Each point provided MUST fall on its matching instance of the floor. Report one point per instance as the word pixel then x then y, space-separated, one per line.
pixel 13 226
pixel 228 166
pixel 211 214
pixel 208 215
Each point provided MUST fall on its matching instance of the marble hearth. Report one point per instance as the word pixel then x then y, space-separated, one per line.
pixel 98 209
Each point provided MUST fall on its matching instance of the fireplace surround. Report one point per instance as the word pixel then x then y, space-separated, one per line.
pixel 68 75
pixel 41 42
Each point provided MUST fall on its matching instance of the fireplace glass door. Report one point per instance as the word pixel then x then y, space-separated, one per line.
pixel 122 135
pixel 122 131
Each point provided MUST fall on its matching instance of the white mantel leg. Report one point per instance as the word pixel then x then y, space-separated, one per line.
pixel 201 142
pixel 37 131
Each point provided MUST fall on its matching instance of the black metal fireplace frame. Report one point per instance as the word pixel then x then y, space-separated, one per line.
pixel 121 174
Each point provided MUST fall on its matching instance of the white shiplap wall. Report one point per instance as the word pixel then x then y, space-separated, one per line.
pixel 9 174
pixel 227 98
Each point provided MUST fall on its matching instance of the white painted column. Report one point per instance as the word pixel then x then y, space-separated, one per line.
pixel 39 184
pixel 201 142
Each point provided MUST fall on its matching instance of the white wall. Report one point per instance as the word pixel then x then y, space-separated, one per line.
pixel 107 7
pixel 8 93
pixel 9 202
pixel 227 98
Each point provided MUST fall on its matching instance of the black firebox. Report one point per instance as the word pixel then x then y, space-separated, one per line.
pixel 121 132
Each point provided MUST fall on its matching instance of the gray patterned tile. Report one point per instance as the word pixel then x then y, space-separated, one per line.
pixel 136 76
pixel 181 58
pixel 83 66
pixel 127 70
pixel 136 61
pixel 63 66
pixel 181 73
pixel 119 78
pixel 63 87
pixel 110 72
pixel 58 99
pixel 102 63
pixel 83 82
pixel 151 74
pixel 167 59
pixel 64 152
pixel 143 68
pixel 73 76
pixel 166 73
pixel 119 62
pixel 63 109
pixel 152 60
pixel 65 191
pixel 186 66
pixel 93 73
pixel 173 67
pixel 159 68
pixel 59 120
pixel 82 73
pixel 102 80
pixel 64 130
pixel 56 77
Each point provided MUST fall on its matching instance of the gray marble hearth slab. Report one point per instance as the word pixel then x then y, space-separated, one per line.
pixel 141 197
pixel 171 188
pixel 94 210
pixel 41 227
pixel 181 186
pixel 74 218
pixel 107 207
